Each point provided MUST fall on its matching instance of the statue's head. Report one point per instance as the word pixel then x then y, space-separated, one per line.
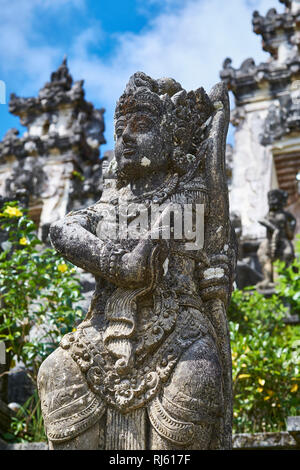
pixel 277 199
pixel 158 126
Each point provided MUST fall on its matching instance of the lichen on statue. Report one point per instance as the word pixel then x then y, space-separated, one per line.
pixel 150 367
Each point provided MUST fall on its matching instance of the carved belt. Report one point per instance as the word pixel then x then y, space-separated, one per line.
pixel 161 352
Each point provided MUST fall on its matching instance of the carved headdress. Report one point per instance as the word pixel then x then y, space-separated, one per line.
pixel 183 114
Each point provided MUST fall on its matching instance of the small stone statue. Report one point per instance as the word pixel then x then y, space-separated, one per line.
pixel 150 366
pixel 280 225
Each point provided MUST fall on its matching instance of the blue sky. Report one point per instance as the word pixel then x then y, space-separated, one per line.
pixel 106 41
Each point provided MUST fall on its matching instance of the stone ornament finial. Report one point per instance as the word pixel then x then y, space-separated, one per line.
pixel 150 366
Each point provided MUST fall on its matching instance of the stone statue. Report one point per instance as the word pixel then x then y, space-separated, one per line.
pixel 246 269
pixel 278 245
pixel 150 366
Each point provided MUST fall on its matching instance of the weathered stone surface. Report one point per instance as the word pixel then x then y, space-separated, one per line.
pixel 278 245
pixel 20 386
pixel 265 441
pixel 282 119
pixel 280 37
pixel 259 441
pixel 150 366
pixel 24 446
pixel 266 151
pixel 293 427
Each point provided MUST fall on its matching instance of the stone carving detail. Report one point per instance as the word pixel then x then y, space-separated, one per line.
pixel 267 119
pixel 64 132
pixel 281 120
pixel 280 226
pixel 150 366
pixel 281 38
pixel 82 125
pixel 27 175
pixel 269 25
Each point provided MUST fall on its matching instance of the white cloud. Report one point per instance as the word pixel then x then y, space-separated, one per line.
pixel 188 40
pixel 187 43
pixel 22 51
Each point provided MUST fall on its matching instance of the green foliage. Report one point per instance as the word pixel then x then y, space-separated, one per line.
pixel 288 281
pixel 265 356
pixel 266 353
pixel 38 289
pixel 78 175
pixel 27 425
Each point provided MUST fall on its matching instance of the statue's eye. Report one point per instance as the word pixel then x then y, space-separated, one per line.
pixel 142 126
pixel 119 131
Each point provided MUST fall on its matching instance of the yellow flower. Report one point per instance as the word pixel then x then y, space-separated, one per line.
pixel 12 211
pixel 260 389
pixel 74 329
pixel 267 398
pixel 23 241
pixel 261 382
pixel 244 376
pixel 294 388
pixel 62 268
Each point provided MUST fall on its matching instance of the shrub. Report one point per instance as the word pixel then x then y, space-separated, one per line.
pixel 288 282
pixel 38 289
pixel 265 354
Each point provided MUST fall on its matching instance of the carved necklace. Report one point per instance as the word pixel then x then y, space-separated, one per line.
pixel 157 196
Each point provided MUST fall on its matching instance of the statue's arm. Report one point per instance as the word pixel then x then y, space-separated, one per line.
pixel 75 239
pixel 290 226
pixel 266 223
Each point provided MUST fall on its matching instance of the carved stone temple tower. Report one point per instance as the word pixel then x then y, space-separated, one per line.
pixel 266 154
pixel 55 165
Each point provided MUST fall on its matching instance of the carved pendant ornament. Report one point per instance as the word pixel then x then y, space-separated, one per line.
pixel 150 366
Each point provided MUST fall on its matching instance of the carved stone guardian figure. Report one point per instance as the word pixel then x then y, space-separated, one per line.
pixel 150 366
pixel 280 225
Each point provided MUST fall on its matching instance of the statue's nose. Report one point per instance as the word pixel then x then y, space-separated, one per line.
pixel 127 135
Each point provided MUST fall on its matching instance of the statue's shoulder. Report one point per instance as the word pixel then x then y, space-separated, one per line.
pixel 69 407
pixel 289 216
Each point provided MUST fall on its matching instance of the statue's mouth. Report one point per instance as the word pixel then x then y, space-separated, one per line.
pixel 129 151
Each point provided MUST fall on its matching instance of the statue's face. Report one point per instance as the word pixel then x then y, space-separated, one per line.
pixel 275 201
pixel 139 147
